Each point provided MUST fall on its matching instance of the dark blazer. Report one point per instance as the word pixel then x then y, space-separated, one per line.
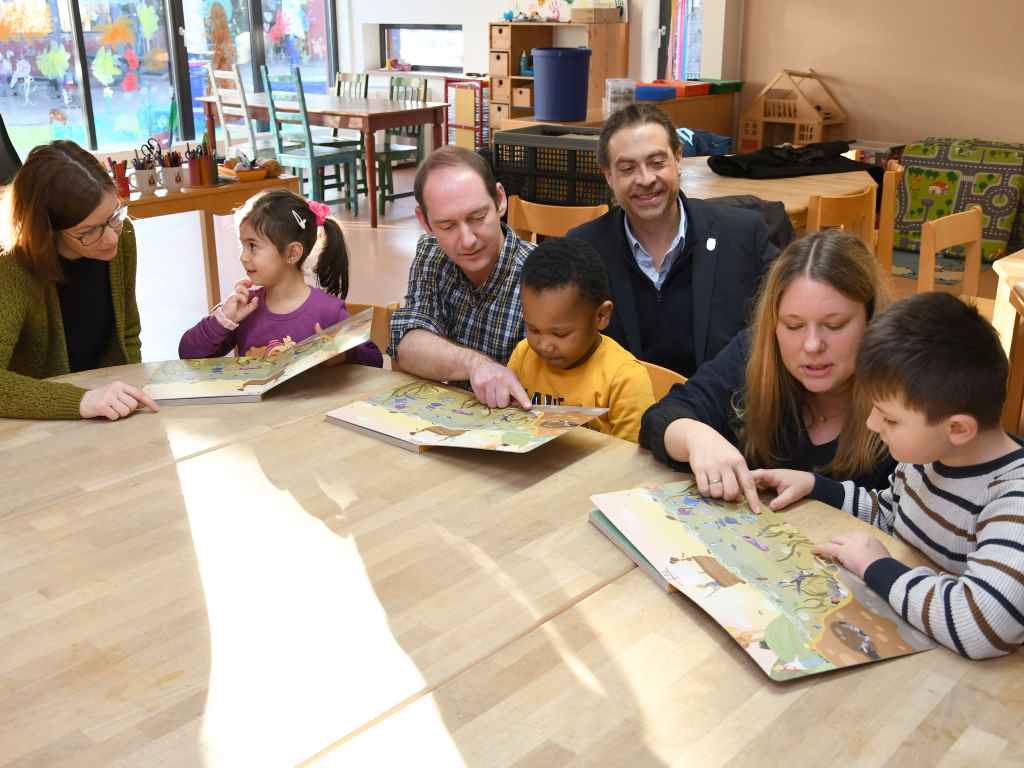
pixel 725 278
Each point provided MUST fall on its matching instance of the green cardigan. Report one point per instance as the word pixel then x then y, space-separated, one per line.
pixel 32 341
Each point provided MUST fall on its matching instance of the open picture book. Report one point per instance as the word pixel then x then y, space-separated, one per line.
pixel 421 414
pixel 247 378
pixel 793 613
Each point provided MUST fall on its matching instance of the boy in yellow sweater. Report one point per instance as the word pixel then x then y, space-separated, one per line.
pixel 564 359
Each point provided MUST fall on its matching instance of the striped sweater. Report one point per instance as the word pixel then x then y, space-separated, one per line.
pixel 970 522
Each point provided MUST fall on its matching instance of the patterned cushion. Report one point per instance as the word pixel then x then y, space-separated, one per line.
pixel 946 175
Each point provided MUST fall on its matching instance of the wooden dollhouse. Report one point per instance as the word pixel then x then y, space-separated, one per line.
pixel 795 107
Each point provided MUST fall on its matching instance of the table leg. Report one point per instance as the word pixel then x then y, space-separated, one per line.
pixel 210 258
pixel 371 177
pixel 211 125
pixel 437 132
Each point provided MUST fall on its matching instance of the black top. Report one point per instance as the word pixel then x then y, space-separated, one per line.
pixel 711 395
pixel 706 297
pixel 87 311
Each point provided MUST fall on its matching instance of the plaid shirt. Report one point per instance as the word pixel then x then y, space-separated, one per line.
pixel 442 300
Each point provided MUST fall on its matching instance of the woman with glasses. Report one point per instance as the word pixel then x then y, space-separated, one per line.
pixel 67 289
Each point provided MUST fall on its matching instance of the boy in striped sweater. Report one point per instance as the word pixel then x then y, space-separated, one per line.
pixel 936 374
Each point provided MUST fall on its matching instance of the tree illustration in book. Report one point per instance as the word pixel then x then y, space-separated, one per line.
pixel 793 613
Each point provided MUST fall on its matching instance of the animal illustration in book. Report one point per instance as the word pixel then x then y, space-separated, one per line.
pixel 756 575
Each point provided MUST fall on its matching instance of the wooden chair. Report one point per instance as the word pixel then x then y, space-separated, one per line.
pixel 662 379
pixel 380 329
pixel 287 89
pixel 233 114
pixel 885 234
pixel 352 85
pixel 1014 405
pixel 938 235
pixel 396 147
pixel 855 213
pixel 532 219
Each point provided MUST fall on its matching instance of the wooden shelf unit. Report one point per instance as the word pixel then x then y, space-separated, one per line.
pixel 511 94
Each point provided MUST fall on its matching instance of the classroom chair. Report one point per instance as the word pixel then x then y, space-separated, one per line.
pixel 662 379
pixel 855 213
pixel 396 146
pixel 286 91
pixel 945 232
pixel 1014 405
pixel 531 220
pixel 380 329
pixel 351 85
pixel 886 231
pixel 228 92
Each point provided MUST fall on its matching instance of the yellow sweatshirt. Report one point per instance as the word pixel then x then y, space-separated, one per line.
pixel 611 378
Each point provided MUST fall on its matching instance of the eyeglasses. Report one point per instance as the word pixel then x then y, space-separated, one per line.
pixel 93 235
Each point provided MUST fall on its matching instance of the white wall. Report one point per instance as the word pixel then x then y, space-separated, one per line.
pixel 358 20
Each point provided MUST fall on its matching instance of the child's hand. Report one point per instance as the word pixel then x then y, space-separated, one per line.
pixel 242 303
pixel 856 551
pixel 790 485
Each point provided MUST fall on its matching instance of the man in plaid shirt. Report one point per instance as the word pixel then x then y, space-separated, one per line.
pixel 462 316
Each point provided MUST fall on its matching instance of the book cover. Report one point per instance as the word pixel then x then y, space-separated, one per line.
pixel 793 613
pixel 248 378
pixel 421 414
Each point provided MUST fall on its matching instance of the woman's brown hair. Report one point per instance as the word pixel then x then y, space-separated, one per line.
pixel 58 187
pixel 773 397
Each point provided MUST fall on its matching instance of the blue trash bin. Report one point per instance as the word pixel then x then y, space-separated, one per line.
pixel 560 80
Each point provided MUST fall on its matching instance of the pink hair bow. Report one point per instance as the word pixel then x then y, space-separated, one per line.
pixel 320 211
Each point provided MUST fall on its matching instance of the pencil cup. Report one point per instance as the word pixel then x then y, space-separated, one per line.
pixel 173 178
pixel 195 172
pixel 123 186
pixel 145 183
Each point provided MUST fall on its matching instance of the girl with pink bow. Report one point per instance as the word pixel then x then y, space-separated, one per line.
pixel 273 306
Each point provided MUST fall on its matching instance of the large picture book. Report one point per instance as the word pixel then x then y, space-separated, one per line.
pixel 421 414
pixel 793 613
pixel 248 378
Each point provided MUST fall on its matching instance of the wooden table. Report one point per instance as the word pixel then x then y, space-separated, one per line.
pixel 284 590
pixel 699 181
pixel 221 200
pixel 363 115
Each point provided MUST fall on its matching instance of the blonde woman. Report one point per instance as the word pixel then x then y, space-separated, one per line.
pixel 782 393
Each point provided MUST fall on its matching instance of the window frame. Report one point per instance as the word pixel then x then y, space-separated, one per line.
pixel 174 16
pixel 385 28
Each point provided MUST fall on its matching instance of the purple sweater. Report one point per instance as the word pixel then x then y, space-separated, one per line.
pixel 263 328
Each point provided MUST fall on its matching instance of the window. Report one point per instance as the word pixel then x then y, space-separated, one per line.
pixel 295 35
pixel 40 97
pixel 129 70
pixel 685 21
pixel 424 46
pixel 136 75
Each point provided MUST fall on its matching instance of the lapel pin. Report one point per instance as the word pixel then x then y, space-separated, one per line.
pixel 711 244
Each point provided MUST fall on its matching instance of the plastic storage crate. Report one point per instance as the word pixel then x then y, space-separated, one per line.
pixel 724 86
pixel 551 164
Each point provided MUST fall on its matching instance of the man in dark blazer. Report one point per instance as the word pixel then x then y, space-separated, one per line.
pixel 683 273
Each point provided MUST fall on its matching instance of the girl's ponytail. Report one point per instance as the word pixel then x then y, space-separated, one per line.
pixel 332 264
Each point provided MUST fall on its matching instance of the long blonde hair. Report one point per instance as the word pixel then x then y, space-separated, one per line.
pixel 774 398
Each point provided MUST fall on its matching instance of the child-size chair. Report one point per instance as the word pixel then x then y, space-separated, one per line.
pixel 286 102
pixel 531 220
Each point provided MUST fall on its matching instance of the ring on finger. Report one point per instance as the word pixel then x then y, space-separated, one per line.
pixel 715 482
